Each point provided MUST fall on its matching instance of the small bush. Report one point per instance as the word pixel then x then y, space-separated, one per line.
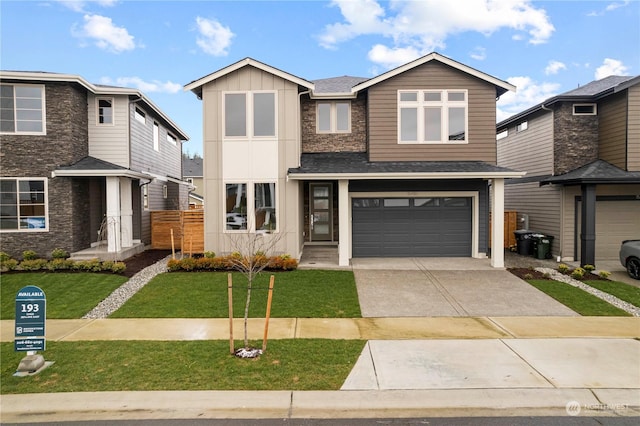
pixel 106 265
pixel 547 275
pixel 578 273
pixel 227 263
pixel 8 265
pixel 188 263
pixel 209 254
pixel 173 265
pixel 59 254
pixel 29 255
pixel 589 268
pixel 528 276
pixel 60 264
pixel 604 274
pixel 118 267
pixel 33 264
pixel 563 268
pixel 4 256
pixel 92 265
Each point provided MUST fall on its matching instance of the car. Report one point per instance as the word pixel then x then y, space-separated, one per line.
pixel 630 257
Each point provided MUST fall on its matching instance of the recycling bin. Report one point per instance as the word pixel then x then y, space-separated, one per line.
pixel 542 245
pixel 524 243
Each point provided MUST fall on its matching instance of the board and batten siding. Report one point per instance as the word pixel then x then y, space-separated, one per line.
pixel 383 117
pixel 612 130
pixel 287 118
pixel 633 129
pixel 110 142
pixel 530 150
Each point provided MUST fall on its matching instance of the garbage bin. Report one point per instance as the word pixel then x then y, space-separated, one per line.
pixel 524 242
pixel 542 248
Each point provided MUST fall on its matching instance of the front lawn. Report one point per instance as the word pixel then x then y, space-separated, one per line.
pixel 69 295
pixel 94 366
pixel 296 294
pixel 576 299
pixel 622 291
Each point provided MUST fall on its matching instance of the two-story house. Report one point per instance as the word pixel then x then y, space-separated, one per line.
pixel 396 165
pixel 192 173
pixel 82 165
pixel 581 152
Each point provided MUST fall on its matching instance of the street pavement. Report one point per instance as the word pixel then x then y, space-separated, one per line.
pixel 469 359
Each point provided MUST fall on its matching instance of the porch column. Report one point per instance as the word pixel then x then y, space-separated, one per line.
pixel 588 227
pixel 126 212
pixel 344 224
pixel 114 243
pixel 497 225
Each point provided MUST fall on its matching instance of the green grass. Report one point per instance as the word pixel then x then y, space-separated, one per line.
pixel 576 299
pixel 622 291
pixel 69 295
pixel 299 364
pixel 296 294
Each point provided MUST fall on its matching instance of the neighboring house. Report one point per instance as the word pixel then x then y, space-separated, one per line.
pixel 396 165
pixel 192 173
pixel 82 165
pixel 581 152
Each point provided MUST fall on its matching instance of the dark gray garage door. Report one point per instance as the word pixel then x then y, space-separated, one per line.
pixel 411 227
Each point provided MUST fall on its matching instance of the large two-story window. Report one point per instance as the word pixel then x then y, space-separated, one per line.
pixel 432 116
pixel 250 114
pixel 23 204
pixel 22 108
pixel 333 117
pixel 256 216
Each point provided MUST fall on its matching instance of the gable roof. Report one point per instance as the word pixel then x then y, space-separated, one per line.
pixel 598 171
pixel 590 92
pixel 196 85
pixel 501 86
pixel 96 89
pixel 192 167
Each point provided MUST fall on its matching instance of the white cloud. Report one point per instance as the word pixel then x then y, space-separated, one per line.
pixel 80 5
pixel 389 58
pixel 553 67
pixel 528 94
pixel 611 67
pixel 479 53
pixel 425 25
pixel 153 86
pixel 105 34
pixel 214 38
pixel 610 7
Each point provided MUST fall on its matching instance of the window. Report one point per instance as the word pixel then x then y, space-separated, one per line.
pixel 145 196
pixel 333 117
pixel 250 114
pixel 262 211
pixel 432 116
pixel 165 191
pixel 503 134
pixel 140 116
pixel 172 139
pixel 22 109
pixel 23 204
pixel 522 126
pixel 584 109
pixel 105 111
pixel 156 136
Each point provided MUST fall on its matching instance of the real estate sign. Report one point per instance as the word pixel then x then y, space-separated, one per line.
pixel 31 314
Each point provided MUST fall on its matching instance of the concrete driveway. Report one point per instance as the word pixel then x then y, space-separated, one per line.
pixel 451 287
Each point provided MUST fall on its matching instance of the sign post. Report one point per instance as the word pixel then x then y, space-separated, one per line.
pixel 31 315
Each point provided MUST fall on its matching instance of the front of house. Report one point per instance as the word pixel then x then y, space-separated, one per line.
pixel 82 166
pixel 399 165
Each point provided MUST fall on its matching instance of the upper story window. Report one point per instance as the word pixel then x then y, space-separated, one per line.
pixel 23 204
pixel 522 126
pixel 250 114
pixel 585 109
pixel 22 109
pixel 172 139
pixel 105 110
pixel 432 116
pixel 333 117
pixel 156 136
pixel 503 134
pixel 140 115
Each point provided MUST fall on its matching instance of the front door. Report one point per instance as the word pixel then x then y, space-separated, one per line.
pixel 321 213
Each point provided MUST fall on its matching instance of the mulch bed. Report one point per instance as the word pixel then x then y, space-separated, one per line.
pixel 140 261
pixel 532 274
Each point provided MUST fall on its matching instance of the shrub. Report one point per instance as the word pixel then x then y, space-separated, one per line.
pixel 528 276
pixel 60 264
pixel 589 268
pixel 106 265
pixel 173 265
pixel 578 273
pixel 92 265
pixel 33 264
pixel 29 255
pixel 209 254
pixel 604 274
pixel 563 268
pixel 118 267
pixel 226 263
pixel 4 256
pixel 59 254
pixel 188 263
pixel 8 265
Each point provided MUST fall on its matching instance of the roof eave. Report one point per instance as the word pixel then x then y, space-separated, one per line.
pixel 407 175
pixel 100 173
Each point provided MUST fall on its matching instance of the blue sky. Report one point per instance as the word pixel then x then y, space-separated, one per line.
pixel 543 47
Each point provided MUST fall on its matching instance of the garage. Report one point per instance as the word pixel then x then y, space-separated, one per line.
pixel 616 221
pixel 412 227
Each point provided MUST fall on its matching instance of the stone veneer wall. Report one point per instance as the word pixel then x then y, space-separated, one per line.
pixel 356 141
pixel 575 139
pixel 65 142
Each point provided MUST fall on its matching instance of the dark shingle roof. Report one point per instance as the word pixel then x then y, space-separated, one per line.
pixel 92 163
pixel 598 171
pixel 337 84
pixel 596 87
pixel 356 162
pixel 192 167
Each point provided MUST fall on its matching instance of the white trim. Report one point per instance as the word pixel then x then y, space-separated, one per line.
pixel 249 115
pixel 46 204
pixel 591 104
pixel 15 115
pixel 333 117
pixel 102 173
pixel 250 187
pixel 113 110
pixel 475 207
pixel 406 175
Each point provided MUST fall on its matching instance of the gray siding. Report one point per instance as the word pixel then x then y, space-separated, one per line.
pixel 383 117
pixel 110 142
pixel 530 150
pixel 612 112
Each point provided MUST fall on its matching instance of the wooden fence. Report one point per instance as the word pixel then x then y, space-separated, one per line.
pixel 188 230
pixel 510 225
